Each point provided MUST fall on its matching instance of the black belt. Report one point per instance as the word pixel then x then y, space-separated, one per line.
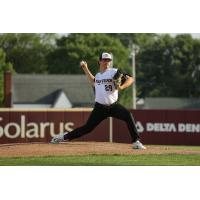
pixel 106 106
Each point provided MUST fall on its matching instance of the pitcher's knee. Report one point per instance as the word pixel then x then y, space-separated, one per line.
pixel 129 116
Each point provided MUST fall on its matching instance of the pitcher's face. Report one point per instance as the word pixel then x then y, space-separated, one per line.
pixel 105 63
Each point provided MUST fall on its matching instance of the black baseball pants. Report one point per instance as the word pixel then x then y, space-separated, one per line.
pixel 101 112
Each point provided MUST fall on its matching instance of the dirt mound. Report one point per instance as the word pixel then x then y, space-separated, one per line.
pixel 84 148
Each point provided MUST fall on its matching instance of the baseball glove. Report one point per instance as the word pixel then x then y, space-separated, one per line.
pixel 119 78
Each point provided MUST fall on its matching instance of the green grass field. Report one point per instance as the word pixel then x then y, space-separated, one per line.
pixel 164 159
pixel 106 160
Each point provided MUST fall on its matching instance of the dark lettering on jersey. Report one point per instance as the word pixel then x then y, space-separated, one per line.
pixel 108 88
pixel 103 81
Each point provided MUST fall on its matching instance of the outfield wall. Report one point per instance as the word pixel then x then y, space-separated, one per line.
pixel 175 127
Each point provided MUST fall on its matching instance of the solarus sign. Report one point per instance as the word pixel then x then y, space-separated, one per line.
pixel 25 129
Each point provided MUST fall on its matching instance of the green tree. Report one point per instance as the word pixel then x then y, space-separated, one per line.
pixel 4 66
pixel 154 67
pixel 75 47
pixel 187 62
pixel 196 72
pixel 141 39
pixel 27 52
pixel 169 67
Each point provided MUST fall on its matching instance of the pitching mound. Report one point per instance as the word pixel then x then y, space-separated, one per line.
pixel 85 148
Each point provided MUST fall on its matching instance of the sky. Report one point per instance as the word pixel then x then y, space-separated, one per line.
pixel 194 35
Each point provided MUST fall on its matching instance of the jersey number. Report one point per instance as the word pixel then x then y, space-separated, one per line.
pixel 108 87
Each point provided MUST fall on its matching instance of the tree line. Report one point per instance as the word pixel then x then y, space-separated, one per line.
pixel 166 66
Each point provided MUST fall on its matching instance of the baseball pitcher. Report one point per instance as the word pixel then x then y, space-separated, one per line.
pixel 107 84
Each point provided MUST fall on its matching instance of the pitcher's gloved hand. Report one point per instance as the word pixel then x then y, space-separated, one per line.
pixel 119 78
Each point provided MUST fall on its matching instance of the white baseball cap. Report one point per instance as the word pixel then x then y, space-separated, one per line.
pixel 105 56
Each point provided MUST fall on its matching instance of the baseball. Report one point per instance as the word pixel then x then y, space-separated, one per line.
pixel 82 63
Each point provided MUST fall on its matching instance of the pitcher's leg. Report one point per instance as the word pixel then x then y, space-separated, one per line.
pixel 94 119
pixel 122 113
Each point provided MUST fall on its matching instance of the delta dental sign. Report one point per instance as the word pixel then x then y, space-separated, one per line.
pixel 168 127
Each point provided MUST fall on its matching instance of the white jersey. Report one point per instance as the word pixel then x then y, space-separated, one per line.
pixel 105 92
